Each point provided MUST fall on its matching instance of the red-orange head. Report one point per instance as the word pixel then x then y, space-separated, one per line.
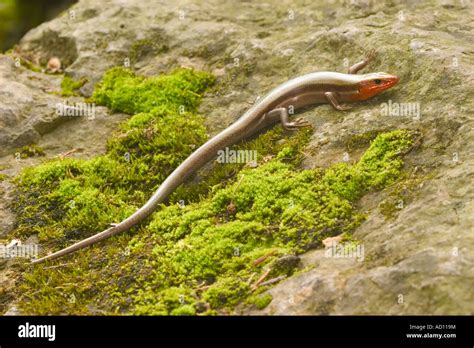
pixel 375 83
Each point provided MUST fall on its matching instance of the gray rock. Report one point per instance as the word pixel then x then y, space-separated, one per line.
pixel 422 261
pixel 12 311
pixel 26 110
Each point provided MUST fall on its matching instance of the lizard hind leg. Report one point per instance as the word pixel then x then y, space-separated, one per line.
pixel 285 119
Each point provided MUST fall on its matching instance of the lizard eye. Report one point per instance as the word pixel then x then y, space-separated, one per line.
pixel 378 81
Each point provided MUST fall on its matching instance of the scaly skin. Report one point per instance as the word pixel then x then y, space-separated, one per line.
pixel 314 88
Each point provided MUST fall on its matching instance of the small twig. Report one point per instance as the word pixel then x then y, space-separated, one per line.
pixel 238 184
pixel 204 287
pixel 67 153
pixel 261 279
pixel 273 280
pixel 251 278
pixel 263 258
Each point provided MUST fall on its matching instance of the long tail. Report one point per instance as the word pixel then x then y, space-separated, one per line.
pixel 241 129
pixel 158 197
pixel 138 216
pixel 194 162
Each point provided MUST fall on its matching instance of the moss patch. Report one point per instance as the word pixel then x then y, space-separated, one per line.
pixel 73 195
pixel 69 87
pixel 260 301
pixel 199 259
pixel 27 151
pixel 122 90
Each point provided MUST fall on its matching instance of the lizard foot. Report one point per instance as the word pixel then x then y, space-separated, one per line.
pixel 298 123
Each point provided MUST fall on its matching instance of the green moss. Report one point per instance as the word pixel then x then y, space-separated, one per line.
pixel 226 292
pixel 15 54
pixel 193 259
pixel 122 90
pixel 276 208
pixel 379 166
pixel 67 197
pixel 202 246
pixel 184 310
pixel 260 301
pixel 69 87
pixel 27 151
pixel 3 177
pixel 30 65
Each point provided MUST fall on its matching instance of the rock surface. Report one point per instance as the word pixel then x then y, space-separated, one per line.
pixel 27 111
pixel 420 260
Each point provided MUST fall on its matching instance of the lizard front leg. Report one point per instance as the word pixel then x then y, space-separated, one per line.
pixel 331 97
pixel 285 119
pixel 358 66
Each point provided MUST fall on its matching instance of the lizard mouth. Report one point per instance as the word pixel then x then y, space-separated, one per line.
pixel 392 81
pixel 374 86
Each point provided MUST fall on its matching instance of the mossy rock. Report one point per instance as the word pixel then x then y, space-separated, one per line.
pixel 199 246
pixel 70 88
pixel 193 258
pixel 27 151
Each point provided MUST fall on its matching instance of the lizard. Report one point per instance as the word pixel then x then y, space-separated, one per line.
pixel 276 106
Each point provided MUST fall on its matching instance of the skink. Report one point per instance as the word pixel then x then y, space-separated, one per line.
pixel 276 106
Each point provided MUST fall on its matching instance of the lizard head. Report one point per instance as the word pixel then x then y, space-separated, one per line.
pixel 375 83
